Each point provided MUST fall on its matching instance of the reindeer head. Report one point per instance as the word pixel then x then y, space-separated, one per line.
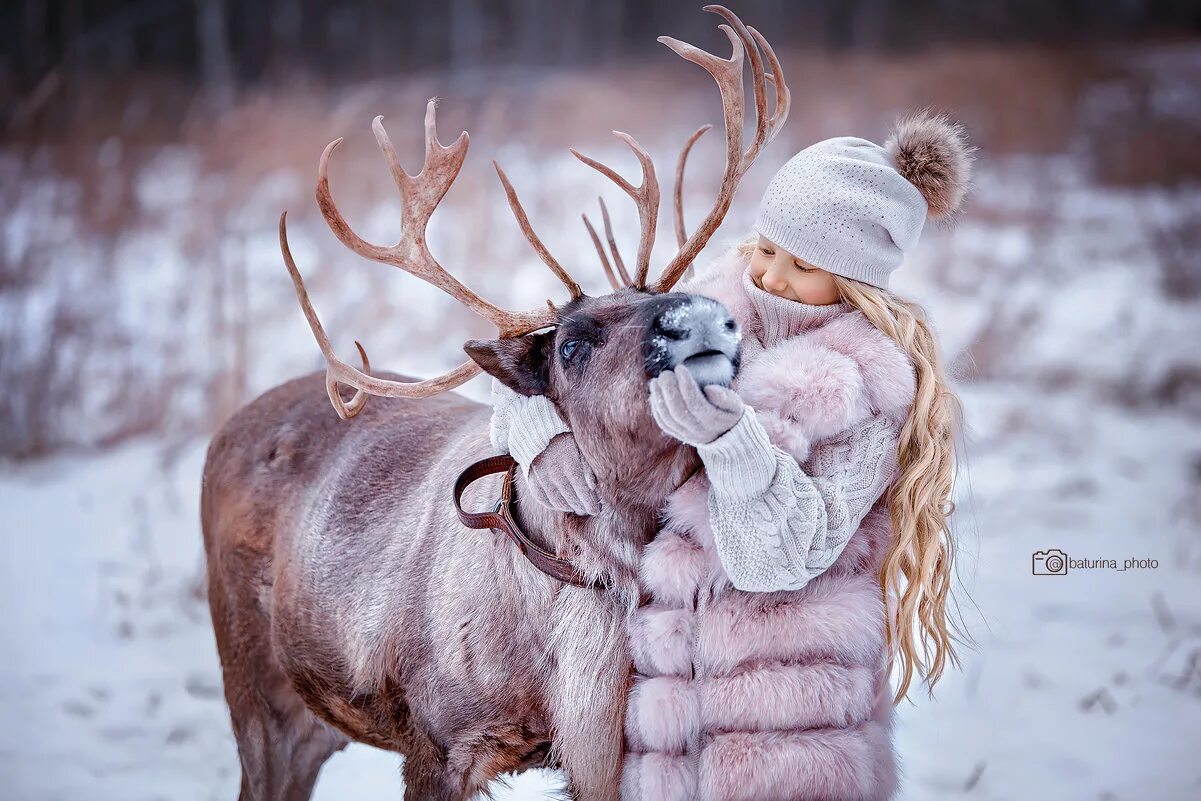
pixel 594 355
pixel 595 364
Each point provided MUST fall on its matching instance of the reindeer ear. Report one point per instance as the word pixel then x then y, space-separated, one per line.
pixel 520 363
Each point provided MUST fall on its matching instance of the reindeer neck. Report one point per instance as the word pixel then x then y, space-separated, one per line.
pixel 608 544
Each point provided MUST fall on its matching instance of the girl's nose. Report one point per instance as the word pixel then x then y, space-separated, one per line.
pixel 774 279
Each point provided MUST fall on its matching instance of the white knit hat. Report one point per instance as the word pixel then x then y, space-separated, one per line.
pixel 854 208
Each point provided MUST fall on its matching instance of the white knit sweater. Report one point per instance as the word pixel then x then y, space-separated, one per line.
pixel 522 426
pixel 777 526
pixel 776 523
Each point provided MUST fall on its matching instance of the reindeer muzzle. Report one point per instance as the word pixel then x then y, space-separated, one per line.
pixel 697 332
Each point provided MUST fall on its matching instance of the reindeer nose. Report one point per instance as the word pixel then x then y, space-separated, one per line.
pixel 697 332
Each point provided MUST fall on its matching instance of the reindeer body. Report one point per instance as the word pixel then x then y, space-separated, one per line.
pixel 350 603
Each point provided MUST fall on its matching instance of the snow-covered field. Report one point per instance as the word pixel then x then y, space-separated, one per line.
pixel 1070 311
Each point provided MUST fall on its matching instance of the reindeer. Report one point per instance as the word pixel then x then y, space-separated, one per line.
pixel 348 600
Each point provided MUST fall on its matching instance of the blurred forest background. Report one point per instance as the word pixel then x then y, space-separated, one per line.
pixel 192 122
pixel 147 148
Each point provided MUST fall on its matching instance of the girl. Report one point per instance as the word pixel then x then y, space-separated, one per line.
pixel 791 571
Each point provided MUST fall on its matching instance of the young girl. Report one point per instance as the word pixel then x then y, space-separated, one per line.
pixel 791 572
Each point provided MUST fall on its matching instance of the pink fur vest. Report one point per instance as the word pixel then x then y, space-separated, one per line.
pixel 744 696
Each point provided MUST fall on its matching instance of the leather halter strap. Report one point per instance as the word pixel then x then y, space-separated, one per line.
pixel 501 519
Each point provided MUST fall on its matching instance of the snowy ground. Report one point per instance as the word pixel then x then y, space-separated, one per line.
pixel 1086 686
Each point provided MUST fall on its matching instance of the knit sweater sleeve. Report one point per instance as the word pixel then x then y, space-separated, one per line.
pixel 522 425
pixel 776 527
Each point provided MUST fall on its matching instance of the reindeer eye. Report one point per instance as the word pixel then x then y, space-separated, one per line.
pixel 568 348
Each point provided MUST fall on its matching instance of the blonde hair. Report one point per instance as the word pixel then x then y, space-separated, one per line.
pixel 917 572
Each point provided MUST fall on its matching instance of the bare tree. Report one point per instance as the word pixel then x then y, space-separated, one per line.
pixel 216 61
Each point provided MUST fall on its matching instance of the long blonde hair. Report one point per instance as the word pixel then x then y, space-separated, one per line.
pixel 917 573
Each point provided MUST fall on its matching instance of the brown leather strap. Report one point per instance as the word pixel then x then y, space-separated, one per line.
pixel 501 519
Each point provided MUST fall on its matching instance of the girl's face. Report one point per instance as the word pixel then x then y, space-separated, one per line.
pixel 777 271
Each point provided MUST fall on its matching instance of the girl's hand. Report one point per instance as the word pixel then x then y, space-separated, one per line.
pixel 689 414
pixel 561 479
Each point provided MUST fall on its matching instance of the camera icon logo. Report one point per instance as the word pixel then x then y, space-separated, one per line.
pixel 1051 562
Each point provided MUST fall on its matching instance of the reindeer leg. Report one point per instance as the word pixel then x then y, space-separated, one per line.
pixel 589 692
pixel 280 762
pixel 281 744
pixel 426 772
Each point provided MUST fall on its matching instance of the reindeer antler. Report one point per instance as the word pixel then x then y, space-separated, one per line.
pixel 728 75
pixel 523 221
pixel 621 278
pixel 681 230
pixel 645 196
pixel 420 195
pixel 614 281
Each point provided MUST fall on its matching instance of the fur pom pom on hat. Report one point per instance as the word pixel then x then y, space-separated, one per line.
pixel 854 208
pixel 932 153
